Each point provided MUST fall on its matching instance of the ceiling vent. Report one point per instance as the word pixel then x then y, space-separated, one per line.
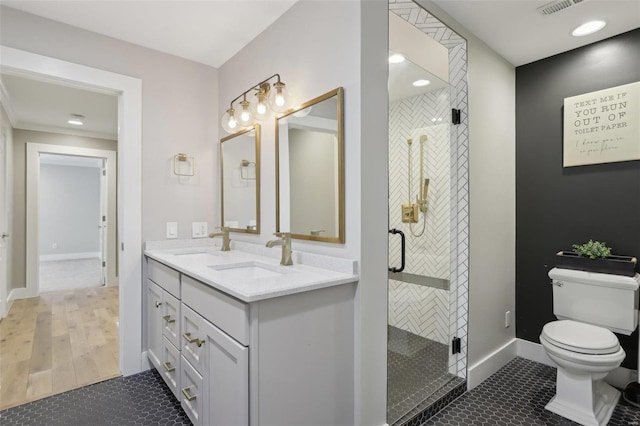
pixel 557 6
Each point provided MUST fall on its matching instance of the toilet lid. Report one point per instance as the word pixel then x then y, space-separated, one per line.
pixel 581 338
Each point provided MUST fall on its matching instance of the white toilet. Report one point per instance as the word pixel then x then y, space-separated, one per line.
pixel 588 307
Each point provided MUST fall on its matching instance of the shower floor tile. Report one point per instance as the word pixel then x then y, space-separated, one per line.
pixel 516 396
pixel 417 367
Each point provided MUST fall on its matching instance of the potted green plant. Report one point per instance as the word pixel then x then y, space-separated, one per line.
pixel 595 256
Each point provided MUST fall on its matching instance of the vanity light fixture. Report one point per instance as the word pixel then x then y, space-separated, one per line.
pixel 588 28
pixel 269 97
pixel 421 83
pixel 76 120
pixel 396 58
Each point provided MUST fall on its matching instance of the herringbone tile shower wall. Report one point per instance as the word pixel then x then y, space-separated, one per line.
pixel 419 309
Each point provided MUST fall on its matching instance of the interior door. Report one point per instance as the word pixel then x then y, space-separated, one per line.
pixel 102 221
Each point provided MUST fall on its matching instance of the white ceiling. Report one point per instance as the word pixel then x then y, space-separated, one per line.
pixel 521 34
pixel 36 105
pixel 206 31
pixel 402 76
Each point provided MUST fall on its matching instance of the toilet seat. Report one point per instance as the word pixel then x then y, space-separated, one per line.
pixel 580 338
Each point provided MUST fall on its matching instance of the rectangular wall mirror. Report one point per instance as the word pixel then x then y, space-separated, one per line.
pixel 310 170
pixel 240 180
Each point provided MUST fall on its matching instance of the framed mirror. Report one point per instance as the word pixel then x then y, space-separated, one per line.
pixel 310 169
pixel 240 180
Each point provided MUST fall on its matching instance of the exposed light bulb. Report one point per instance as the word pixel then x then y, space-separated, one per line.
pixel 229 121
pixel 246 118
pixel 261 108
pixel 279 97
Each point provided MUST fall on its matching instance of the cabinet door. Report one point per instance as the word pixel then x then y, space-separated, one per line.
pixel 154 323
pixel 226 380
pixel 170 369
pixel 171 318
pixel 192 399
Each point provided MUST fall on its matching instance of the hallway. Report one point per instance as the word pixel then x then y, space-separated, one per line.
pixel 57 342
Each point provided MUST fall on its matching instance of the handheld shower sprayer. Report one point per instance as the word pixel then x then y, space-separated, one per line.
pixel 411 212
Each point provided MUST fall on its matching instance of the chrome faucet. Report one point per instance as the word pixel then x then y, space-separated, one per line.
pixel 285 242
pixel 225 237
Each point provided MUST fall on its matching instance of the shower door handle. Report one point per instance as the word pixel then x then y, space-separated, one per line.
pixel 402 245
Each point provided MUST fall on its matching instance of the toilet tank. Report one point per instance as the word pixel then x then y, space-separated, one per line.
pixel 606 300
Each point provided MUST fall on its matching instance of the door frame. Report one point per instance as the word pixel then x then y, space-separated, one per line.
pixel 129 159
pixel 33 208
pixel 5 223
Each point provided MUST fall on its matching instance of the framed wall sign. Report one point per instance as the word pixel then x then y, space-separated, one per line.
pixel 602 126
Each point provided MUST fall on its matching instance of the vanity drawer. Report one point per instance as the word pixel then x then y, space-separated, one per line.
pixel 194 337
pixel 170 367
pixel 171 319
pixel 191 392
pixel 165 277
pixel 229 314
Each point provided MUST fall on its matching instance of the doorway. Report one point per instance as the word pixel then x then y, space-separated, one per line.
pixel 428 215
pixel 129 92
pixel 71 217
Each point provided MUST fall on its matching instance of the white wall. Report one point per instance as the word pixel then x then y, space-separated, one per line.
pixel 312 61
pixel 492 194
pixel 69 209
pixel 179 113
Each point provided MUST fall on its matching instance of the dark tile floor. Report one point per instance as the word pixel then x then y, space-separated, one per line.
pixel 516 396
pixel 417 367
pixel 141 399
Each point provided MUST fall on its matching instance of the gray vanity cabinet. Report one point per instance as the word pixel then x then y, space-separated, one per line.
pixel 163 323
pixel 276 360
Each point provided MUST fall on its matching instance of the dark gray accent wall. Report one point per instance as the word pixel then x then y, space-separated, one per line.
pixel 556 206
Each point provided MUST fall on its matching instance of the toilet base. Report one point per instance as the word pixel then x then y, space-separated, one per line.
pixel 582 399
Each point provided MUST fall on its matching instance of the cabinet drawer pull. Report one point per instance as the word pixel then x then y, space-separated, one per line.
pixel 168 319
pixel 185 392
pixel 189 339
pixel 167 366
pixel 158 304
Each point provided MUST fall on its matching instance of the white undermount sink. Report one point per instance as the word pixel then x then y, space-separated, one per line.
pixel 205 256
pixel 250 270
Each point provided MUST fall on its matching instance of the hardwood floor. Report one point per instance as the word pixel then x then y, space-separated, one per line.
pixel 57 342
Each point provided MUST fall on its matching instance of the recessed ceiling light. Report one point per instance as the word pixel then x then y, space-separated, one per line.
pixel 396 58
pixel 588 28
pixel 76 120
pixel 421 83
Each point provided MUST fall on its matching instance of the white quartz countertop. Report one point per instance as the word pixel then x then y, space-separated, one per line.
pixel 248 276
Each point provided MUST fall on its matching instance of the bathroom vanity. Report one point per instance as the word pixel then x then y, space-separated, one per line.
pixel 242 340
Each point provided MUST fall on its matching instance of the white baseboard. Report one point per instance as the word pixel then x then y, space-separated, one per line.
pixel 21 293
pixel 70 256
pixel 481 370
pixel 532 351
pixel 5 308
pixel 146 364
